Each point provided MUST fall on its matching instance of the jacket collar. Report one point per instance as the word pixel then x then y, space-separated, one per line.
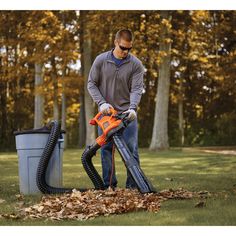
pixel 109 57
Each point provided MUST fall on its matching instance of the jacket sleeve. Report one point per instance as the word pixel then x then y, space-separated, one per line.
pixel 93 82
pixel 136 86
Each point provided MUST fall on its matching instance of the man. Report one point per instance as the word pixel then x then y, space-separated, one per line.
pixel 116 80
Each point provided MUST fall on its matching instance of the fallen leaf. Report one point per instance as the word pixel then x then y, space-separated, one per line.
pixel 203 192
pixel 11 216
pixel 40 208
pixel 2 200
pixel 200 204
pixel 19 197
pixel 169 179
pixel 93 203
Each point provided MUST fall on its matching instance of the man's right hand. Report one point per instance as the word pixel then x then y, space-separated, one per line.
pixel 105 108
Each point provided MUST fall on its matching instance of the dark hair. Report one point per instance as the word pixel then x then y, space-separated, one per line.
pixel 124 34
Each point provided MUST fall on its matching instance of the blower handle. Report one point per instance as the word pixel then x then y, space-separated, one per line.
pixel 96 119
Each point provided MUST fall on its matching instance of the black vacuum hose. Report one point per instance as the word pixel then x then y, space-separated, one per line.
pixel 44 161
pixel 86 158
pixel 55 130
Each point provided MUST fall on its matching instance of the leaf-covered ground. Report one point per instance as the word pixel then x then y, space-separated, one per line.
pixel 90 204
pixel 211 177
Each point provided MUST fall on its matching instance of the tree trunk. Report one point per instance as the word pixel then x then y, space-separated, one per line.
pixel 181 112
pixel 82 123
pixel 39 97
pixel 88 102
pixel 160 129
pixel 3 102
pixel 55 91
pixel 3 114
pixel 17 88
pixel 81 120
pixel 63 108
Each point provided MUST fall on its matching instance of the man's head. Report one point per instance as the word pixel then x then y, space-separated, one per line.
pixel 123 43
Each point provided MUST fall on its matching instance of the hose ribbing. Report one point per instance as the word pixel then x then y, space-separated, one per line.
pixel 55 130
pixel 86 159
pixel 44 161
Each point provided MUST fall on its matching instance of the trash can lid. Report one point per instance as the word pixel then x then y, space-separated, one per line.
pixel 43 130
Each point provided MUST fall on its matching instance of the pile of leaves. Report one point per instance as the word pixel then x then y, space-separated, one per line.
pixel 86 205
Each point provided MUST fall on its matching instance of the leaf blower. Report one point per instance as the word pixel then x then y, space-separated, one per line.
pixel 112 126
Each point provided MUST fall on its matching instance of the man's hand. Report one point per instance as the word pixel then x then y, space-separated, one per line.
pixel 132 114
pixel 105 108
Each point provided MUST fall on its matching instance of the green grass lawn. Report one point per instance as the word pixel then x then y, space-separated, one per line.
pixel 192 169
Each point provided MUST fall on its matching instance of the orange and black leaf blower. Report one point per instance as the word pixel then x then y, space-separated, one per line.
pixel 112 126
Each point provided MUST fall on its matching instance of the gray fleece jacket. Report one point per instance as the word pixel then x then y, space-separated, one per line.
pixel 119 86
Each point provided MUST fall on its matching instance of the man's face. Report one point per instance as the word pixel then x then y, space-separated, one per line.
pixel 123 47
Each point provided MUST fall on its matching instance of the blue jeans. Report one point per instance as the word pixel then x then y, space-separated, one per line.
pixel 130 136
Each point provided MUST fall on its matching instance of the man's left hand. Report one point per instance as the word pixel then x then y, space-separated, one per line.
pixel 132 114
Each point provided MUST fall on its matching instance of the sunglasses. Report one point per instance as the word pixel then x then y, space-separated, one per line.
pixel 124 48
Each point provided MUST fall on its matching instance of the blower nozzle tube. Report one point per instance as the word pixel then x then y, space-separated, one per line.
pixel 132 165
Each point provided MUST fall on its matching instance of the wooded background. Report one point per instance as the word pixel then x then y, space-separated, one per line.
pixel 189 58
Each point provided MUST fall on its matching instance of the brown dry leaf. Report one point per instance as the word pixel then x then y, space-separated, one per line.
pixel 28 210
pixel 11 216
pixel 48 203
pixel 2 200
pixel 169 179
pixel 88 205
pixel 19 197
pixel 200 204
pixel 40 208
pixel 69 205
